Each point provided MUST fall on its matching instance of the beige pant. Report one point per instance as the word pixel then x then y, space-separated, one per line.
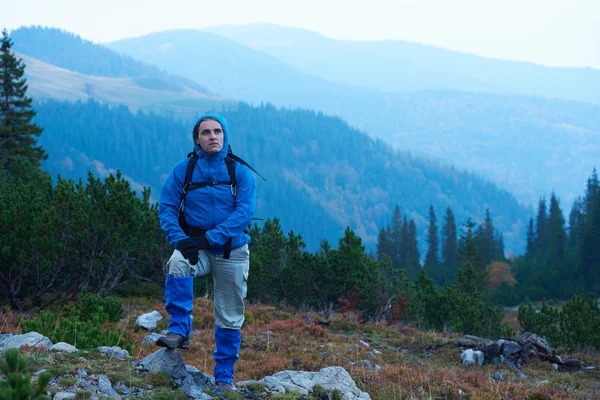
pixel 230 277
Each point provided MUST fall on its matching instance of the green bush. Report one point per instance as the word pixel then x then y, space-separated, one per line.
pixel 17 385
pixel 576 325
pixel 85 327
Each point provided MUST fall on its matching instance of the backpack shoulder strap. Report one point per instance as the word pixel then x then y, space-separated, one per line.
pixel 193 158
pixel 232 156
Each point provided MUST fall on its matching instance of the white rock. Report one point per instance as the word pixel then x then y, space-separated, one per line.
pixel 365 343
pixel 468 357
pixel 64 347
pixel 64 395
pixel 114 352
pixel 31 339
pixel 149 321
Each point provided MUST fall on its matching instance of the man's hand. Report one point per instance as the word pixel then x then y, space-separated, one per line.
pixel 189 248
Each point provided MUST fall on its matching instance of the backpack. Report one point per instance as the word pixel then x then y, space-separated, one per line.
pixel 188 186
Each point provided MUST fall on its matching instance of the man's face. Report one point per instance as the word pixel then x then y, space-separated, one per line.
pixel 210 136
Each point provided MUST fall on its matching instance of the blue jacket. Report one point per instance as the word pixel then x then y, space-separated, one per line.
pixel 212 208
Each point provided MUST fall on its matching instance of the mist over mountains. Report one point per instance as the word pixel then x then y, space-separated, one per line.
pixel 343 177
pixel 528 145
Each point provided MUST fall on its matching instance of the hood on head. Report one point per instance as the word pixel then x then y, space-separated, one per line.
pixel 221 121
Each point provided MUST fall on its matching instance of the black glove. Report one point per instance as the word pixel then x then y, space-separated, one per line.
pixel 203 242
pixel 189 248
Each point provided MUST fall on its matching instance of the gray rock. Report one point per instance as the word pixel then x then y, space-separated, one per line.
pixel 468 357
pixel 479 356
pixel 151 338
pixel 498 376
pixel 82 374
pixel 64 395
pixel 31 339
pixel 520 374
pixel 510 348
pixel 365 344
pixel 367 364
pixel 105 387
pixel 38 373
pixel 149 321
pixel 556 367
pixel 330 378
pixel 114 352
pixel 64 347
pixel 165 360
pixel 196 393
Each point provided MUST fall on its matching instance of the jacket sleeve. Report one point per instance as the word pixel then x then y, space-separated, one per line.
pixel 244 210
pixel 168 209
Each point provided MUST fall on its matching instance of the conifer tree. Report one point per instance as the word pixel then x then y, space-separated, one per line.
pixel 449 245
pixel 412 264
pixel 17 132
pixel 469 254
pixel 485 239
pixel 556 235
pixel 530 239
pixel 431 258
pixel 397 239
pixel 541 222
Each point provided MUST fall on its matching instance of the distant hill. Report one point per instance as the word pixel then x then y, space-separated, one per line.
pixel 157 94
pixel 397 65
pixel 528 145
pixel 322 174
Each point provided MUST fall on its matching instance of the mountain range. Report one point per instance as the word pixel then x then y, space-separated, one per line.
pixel 474 128
pixel 527 144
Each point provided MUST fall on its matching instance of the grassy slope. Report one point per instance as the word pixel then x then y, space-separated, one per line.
pixel 147 94
pixel 411 366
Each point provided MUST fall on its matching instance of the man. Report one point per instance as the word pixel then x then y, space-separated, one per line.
pixel 216 216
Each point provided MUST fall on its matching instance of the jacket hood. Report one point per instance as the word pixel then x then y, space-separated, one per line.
pixel 221 120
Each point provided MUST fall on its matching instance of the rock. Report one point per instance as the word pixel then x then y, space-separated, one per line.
pixel 520 374
pixel 105 387
pixel 81 374
pixel 165 360
pixel 149 321
pixel 114 352
pixel 468 357
pixel 64 347
pixel 498 376
pixel 556 367
pixel 330 378
pixel 479 357
pixel 376 352
pixel 150 339
pixel 367 364
pixel 365 344
pixel 492 351
pixel 31 339
pixel 195 332
pixel 38 373
pixel 510 348
pixel 371 354
pixel 196 393
pixel 64 395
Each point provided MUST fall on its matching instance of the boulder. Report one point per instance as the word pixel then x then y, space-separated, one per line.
pixel 165 360
pixel 149 321
pixel 150 339
pixel 31 339
pixel 330 378
pixel 114 352
pixel 64 347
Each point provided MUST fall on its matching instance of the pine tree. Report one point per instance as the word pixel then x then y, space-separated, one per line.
pixel 397 239
pixel 449 246
pixel 411 263
pixel 556 235
pixel 530 239
pixel 17 132
pixel 469 254
pixel 541 222
pixel 431 258
pixel 485 239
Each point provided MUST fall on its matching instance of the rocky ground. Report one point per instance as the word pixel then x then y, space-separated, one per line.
pixel 302 356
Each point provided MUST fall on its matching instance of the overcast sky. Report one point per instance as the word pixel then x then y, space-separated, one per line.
pixel 549 32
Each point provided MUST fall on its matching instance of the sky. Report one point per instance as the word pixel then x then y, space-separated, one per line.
pixel 547 32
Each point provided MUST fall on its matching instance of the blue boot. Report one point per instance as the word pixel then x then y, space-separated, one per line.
pixel 228 343
pixel 179 294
